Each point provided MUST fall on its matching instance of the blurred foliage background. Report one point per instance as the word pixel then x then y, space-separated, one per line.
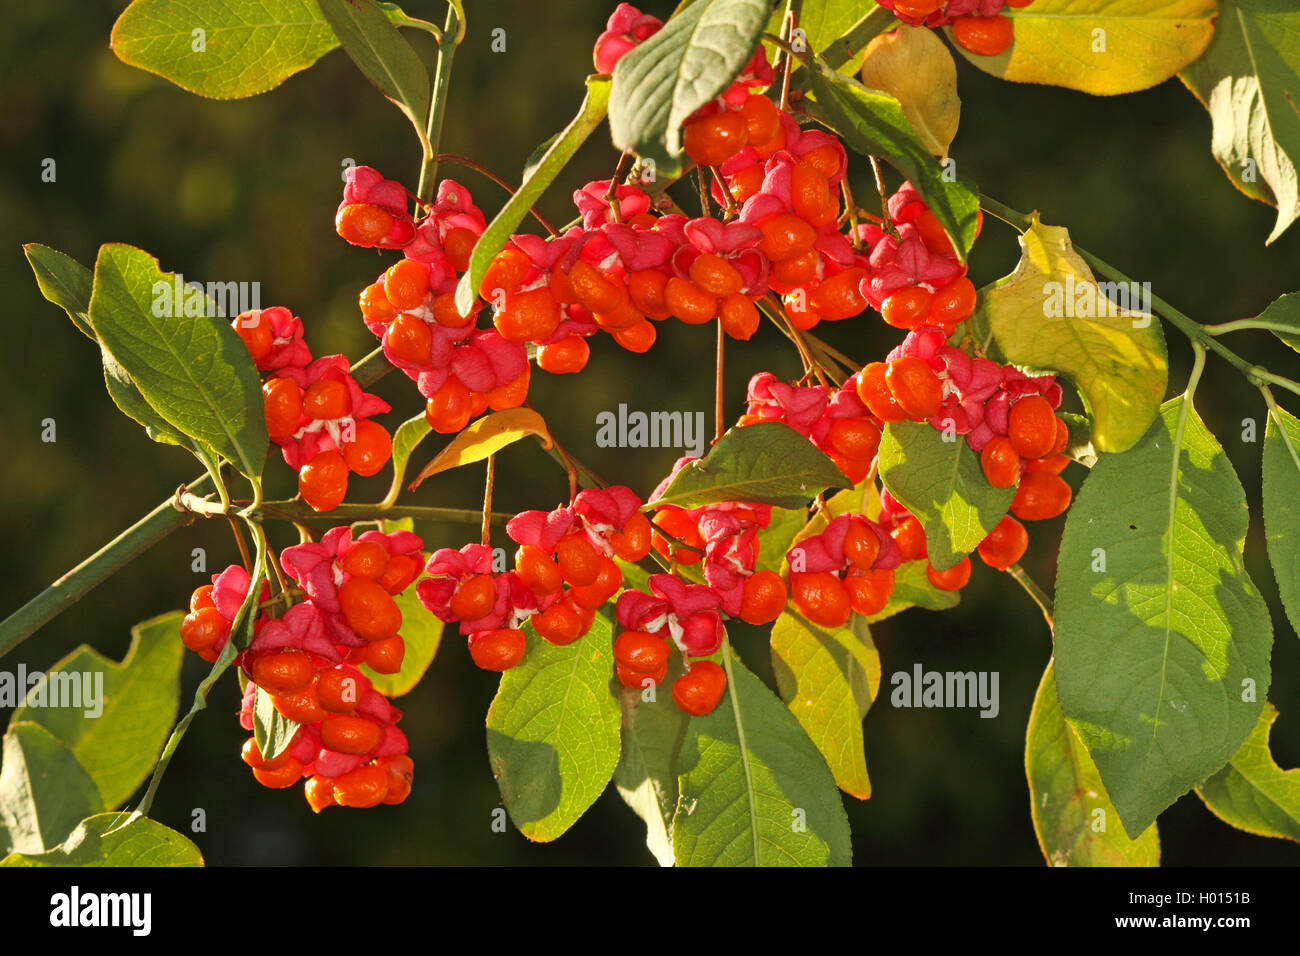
pixel 246 191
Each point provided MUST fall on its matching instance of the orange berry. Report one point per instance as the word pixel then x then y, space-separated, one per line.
pixel 201 629
pixel 739 317
pixel 409 339
pixel 873 389
pixel 319 792
pixel 689 302
pixel 362 224
pixel 448 409
pixel 1031 426
pixel 637 338
pixel 459 246
pixel 861 545
pixel 559 624
pixel 1005 544
pixel 953 579
pixel 509 395
pixel 810 196
pixel 326 399
pixel 497 650
pixel 954 302
pixel 251 754
pixel 712 140
pixel 256 333
pixel 799 308
pixel 763 598
pixel 640 652
pixel 282 401
pixel 1062 441
pixel 338 690
pixel 608 580
pixel 820 596
pixel 368 609
pixel 917 8
pixel 474 597
pixel 839 297
pixel 910 538
pixel 698 691
pixel 797 271
pixel 914 386
pixel 983 36
pixel 715 275
pixel 323 481
pixel 402 570
pixel 365 559
pixel 646 288
pixel 447 315
pixel 869 591
pixel 762 119
pixel 349 735
pixel 201 598
pixel 302 707
pixel 375 306
pixel 564 357
pixel 906 308
pixel 595 291
pixel 639 680
pixel 578 559
pixel 1000 462
pixel 632 543
pixel 785 236
pixel 537 571
pixel 385 656
pixel 745 183
pixel 282 673
pixel 1053 463
pixel 281 777
pixel 857 439
pixel 364 787
pixel 505 274
pixel 1041 495
pixel 531 316
pixel 405 284
pixel 369 450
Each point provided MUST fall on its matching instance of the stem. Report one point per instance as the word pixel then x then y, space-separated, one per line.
pixel 1281 429
pixel 719 413
pixel 704 192
pixel 885 219
pixel 486 538
pixel 452 31
pixel 371 368
pixel 1034 591
pixel 482 170
pixel 244 556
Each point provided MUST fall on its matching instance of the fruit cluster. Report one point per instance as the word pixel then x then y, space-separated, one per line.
pixel 977 25
pixel 307 661
pixel 315 410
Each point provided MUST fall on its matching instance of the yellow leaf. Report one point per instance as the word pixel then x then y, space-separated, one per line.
pixel 912 65
pixel 485 437
pixel 1102 47
pixel 1051 315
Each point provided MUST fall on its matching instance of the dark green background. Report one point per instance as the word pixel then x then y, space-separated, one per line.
pixel 246 191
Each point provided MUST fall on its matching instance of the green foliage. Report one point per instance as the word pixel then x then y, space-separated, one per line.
pixel 873 124
pixel 537 178
pixel 1281 522
pixel 1252 792
pixel 1282 318
pixel 912 588
pixel 138 702
pixel 691 60
pixel 44 792
pixel 775 540
pixel 553 731
pixel 115 839
pixel 941 482
pixel 828 678
pixel 193 370
pixel 1247 80
pixel 245 47
pixel 766 463
pixel 406 439
pixel 1162 640
pixel 272 731
pixel 754 791
pixel 1047 316
pixel 382 55
pixel 646 776
pixel 1073 817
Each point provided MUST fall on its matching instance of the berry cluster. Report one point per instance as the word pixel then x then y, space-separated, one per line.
pixel 976 24
pixel 348 744
pixel 847 567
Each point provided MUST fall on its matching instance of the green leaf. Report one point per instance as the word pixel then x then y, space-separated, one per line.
pixel 67 283
pixel 136 700
pixel 1252 792
pixel 1074 819
pixel 775 540
pixel 828 679
pixel 754 791
pixel 1051 315
pixel 271 729
pixel 553 731
pixel 1282 318
pixel 102 840
pixel 646 775
pixel 941 482
pixel 44 792
pixel 912 588
pixel 408 436
pixel 914 66
pixel 1162 640
pixel 691 60
pixel 841 29
pixel 245 47
pixel 1247 81
pixel 536 181
pixel 766 463
pixel 873 124
pixel 422 633
pixel 1101 47
pixel 193 369
pixel 1281 520
pixel 382 55
pixel 484 438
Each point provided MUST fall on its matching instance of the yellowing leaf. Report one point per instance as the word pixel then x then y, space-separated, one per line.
pixel 912 65
pixel 1052 315
pixel 1102 47
pixel 485 437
